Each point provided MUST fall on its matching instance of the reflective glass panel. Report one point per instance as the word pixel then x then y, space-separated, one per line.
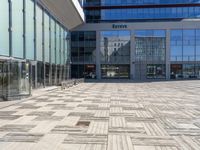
pixel 57 44
pixel 176 45
pixel 17 28
pixel 46 43
pixel 39 33
pixel 115 46
pixel 30 30
pixel 4 25
pixel 53 57
pixel 198 45
pixel 150 45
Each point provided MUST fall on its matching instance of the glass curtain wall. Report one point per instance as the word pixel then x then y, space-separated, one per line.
pixel 115 49
pixel 4 34
pixel 28 36
pixel 185 53
pixel 39 46
pixel 150 54
pixel 83 54
pixel 140 10
pixel 17 28
pixel 136 2
pixel 53 51
pixel 46 48
pixel 30 48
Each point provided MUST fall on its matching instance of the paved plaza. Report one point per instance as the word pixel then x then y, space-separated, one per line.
pixel 106 116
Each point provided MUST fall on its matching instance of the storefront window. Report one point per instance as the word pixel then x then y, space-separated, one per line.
pixel 184 71
pixel 197 70
pixel 115 71
pixel 156 71
pixel 189 71
pixel 176 71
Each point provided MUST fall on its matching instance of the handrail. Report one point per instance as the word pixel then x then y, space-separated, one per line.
pixel 71 83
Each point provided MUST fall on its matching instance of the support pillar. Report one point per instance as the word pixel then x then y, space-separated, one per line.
pixel 132 56
pixel 168 53
pixel 98 56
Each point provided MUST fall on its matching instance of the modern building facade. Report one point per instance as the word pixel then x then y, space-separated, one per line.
pixel 139 40
pixel 35 44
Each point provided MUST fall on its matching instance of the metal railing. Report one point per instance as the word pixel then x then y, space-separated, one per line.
pixel 71 83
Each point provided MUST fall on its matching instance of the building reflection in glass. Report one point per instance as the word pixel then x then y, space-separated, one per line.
pixel 150 52
pixel 115 47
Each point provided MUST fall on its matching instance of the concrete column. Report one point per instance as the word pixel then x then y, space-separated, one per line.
pixel 132 56
pixel 36 78
pixel 98 56
pixel 168 54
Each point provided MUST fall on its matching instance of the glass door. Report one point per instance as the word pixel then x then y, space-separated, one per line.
pixel 19 79
pixel 25 79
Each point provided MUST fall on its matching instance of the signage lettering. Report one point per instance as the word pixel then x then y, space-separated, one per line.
pixel 119 26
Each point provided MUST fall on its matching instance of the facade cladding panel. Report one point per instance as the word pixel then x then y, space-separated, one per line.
pixel 30 48
pixel 140 40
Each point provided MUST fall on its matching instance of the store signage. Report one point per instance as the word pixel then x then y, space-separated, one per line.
pixel 119 26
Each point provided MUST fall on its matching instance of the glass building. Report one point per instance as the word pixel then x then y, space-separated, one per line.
pixel 34 48
pixel 138 39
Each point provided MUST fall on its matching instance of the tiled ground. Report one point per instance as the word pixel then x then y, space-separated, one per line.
pixel 106 116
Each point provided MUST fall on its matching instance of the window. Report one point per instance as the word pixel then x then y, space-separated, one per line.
pixel 4 34
pixel 17 28
pixel 46 43
pixel 53 57
pixel 30 51
pixel 39 30
pixel 57 44
pixel 111 53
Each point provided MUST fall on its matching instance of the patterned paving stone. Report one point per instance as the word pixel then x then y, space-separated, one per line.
pixel 21 137
pixel 16 128
pixel 106 116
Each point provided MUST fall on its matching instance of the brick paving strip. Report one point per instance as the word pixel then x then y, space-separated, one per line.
pixel 105 116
